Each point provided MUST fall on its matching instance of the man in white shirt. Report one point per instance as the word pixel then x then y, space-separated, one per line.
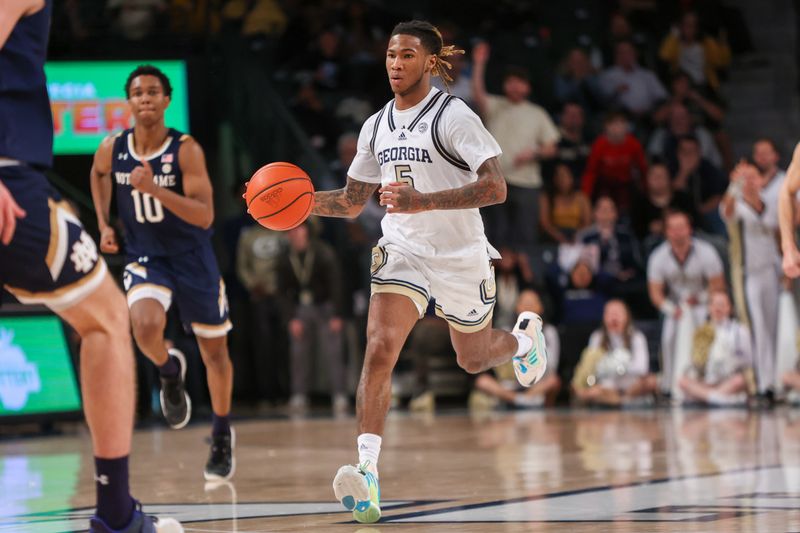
pixel 680 273
pixel 526 135
pixel 629 86
pixel 751 203
pixel 436 165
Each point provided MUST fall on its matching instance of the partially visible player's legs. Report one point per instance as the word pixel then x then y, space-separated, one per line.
pixel 219 374
pixel 391 318
pixel 149 318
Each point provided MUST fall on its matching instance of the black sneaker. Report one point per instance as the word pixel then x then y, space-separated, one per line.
pixel 221 463
pixel 175 402
pixel 140 523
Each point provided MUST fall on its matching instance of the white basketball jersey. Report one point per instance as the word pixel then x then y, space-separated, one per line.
pixel 436 145
pixel 760 230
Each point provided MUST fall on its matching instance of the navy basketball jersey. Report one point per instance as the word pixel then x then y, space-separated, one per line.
pixel 26 123
pixel 152 230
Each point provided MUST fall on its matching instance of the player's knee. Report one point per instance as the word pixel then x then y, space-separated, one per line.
pixel 147 327
pixel 470 361
pixel 382 350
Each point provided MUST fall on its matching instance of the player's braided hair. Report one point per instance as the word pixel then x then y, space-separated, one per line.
pixel 431 38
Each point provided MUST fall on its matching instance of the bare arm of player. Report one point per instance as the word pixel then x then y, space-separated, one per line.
pixel 12 11
pixel 196 204
pixel 102 189
pixel 786 206
pixel 347 202
pixel 489 189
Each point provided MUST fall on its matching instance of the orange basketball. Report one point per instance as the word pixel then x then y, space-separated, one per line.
pixel 279 196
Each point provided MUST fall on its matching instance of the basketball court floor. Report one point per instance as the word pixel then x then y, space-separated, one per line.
pixel 577 471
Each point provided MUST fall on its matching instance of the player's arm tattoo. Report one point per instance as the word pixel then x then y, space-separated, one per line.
pixel 346 202
pixel 489 189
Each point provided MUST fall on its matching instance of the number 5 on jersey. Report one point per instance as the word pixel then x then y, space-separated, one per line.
pixel 146 208
pixel 402 174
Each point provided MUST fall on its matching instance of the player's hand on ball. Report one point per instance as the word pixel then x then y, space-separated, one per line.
pixel 108 241
pixel 401 198
pixel 142 178
pixel 791 263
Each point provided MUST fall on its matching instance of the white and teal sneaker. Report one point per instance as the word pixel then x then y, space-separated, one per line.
pixel 530 367
pixel 358 490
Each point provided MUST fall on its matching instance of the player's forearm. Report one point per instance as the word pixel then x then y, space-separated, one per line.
pixel 101 196
pixel 347 202
pixel 190 210
pixel 481 193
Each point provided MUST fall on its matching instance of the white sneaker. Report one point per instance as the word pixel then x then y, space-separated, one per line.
pixel 530 367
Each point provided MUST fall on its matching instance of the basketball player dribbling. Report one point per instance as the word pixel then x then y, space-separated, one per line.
pixel 165 202
pixel 437 165
pixel 47 258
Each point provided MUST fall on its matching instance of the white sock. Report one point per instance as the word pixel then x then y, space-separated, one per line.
pixel 369 448
pixel 524 343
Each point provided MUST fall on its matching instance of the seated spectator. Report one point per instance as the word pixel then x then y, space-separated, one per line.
pixel 616 163
pixel 703 182
pixel 628 86
pixel 578 82
pixel 664 141
pixel 575 145
pixel 621 29
pixel 563 210
pixel 501 383
pixel 658 196
pixel 577 285
pixel 721 357
pixel 316 120
pixel 614 369
pixel 701 56
pixel 513 274
pixel 619 251
pixel 706 109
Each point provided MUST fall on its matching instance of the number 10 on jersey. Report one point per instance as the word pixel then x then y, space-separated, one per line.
pixel 146 208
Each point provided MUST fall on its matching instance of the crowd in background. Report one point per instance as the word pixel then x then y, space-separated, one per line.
pixel 611 119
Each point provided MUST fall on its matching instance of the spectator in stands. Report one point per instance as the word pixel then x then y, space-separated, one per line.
pixel 658 196
pixel 620 29
pixel 616 164
pixel 316 120
pixel 258 254
pixel 575 144
pixel 664 141
pixel 513 274
pixel 701 56
pixel 614 369
pixel 461 86
pixel 563 209
pixel 704 183
pixel 501 383
pixel 135 20
pixel 309 278
pixel 628 86
pixel 619 252
pixel 577 285
pixel 721 357
pixel 527 136
pixel 577 82
pixel 680 273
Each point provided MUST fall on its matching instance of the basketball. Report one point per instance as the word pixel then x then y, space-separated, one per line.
pixel 279 196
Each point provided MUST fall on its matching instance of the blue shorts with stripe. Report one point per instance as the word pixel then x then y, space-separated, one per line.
pixel 191 279
pixel 51 260
pixel 463 288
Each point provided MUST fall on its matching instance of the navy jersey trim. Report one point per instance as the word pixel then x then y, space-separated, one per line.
pixel 437 143
pixel 375 130
pixel 428 107
pixel 390 117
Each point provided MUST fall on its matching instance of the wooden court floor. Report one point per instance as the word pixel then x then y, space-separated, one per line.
pixel 577 471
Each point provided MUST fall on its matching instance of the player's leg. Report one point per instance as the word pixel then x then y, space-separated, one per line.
pixel 148 304
pixel 484 349
pixel 391 318
pixel 79 289
pixel 221 464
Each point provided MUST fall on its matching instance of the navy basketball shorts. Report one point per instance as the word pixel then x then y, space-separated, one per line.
pixel 51 260
pixel 191 279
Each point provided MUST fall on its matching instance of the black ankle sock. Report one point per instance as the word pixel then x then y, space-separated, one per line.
pixel 114 502
pixel 220 425
pixel 171 368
